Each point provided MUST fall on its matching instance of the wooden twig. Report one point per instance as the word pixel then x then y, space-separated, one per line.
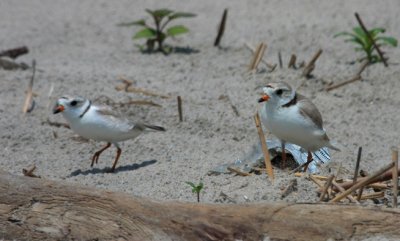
pixel 363 183
pixel 28 105
pixel 371 39
pixel 338 171
pixel 267 158
pixel 292 61
pixel 237 171
pixel 395 179
pixel 56 124
pixel 357 165
pixel 311 65
pixel 280 59
pixel 319 183
pixel 128 88
pixel 138 102
pixel 270 66
pixel 373 195
pixel 179 99
pixel 221 27
pixel 353 79
pixel 326 187
pixel 258 55
pixel 289 189
pixel 15 52
pixel 341 190
pixel 29 172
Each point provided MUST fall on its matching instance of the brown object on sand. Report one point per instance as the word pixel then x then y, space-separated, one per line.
pixel 45 210
pixel 15 52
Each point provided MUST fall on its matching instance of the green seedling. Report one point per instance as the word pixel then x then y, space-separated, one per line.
pixel 159 32
pixel 196 188
pixel 364 43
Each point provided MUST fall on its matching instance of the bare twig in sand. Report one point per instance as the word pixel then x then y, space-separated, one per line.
pixel 292 62
pixel 395 179
pixel 373 195
pixel 221 27
pixel 15 52
pixel 363 183
pixel 267 158
pixel 356 77
pixel 357 165
pixel 290 188
pixel 338 171
pixel 237 171
pixel 319 183
pixel 341 190
pixel 56 124
pixel 179 99
pixel 138 102
pixel 371 39
pixel 29 172
pixel 257 57
pixel 28 105
pixel 280 59
pixel 311 65
pixel 128 88
pixel 326 187
pixel 270 66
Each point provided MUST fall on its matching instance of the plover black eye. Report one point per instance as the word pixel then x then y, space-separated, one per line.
pixel 279 92
pixel 74 102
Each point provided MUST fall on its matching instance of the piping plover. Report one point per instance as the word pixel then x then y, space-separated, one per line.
pixel 293 118
pixel 99 123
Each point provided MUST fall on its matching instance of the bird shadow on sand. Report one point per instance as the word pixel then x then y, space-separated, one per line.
pixel 125 168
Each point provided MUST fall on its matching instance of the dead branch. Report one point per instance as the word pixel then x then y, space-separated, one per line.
pixel 311 65
pixel 253 50
pixel 221 28
pixel 28 105
pixel 395 179
pixel 356 77
pixel 179 99
pixel 371 39
pixel 363 183
pixel 15 52
pixel 267 158
pixel 292 62
pixel 292 187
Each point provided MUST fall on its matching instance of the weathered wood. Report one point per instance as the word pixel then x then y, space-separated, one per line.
pixel 38 209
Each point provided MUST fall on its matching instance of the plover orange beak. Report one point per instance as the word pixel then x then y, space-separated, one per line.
pixel 58 108
pixel 263 98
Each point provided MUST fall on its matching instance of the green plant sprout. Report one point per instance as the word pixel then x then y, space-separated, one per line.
pixel 360 38
pixel 196 188
pixel 158 33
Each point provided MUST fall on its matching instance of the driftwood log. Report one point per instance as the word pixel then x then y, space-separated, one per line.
pixel 38 209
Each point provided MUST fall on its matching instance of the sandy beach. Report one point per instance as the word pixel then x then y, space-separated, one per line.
pixel 79 50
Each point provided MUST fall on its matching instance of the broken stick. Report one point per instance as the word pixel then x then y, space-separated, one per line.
pixel 395 179
pixel 363 183
pixel 371 39
pixel 221 28
pixel 267 158
pixel 28 105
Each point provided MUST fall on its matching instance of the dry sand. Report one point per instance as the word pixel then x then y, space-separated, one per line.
pixel 79 50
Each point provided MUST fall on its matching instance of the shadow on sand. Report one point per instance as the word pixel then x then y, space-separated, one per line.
pixel 125 168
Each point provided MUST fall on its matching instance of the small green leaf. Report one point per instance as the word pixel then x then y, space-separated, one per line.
pixel 359 32
pixel 160 13
pixel 388 40
pixel 191 184
pixel 176 30
pixel 140 22
pixel 145 33
pixel 344 34
pixel 182 15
